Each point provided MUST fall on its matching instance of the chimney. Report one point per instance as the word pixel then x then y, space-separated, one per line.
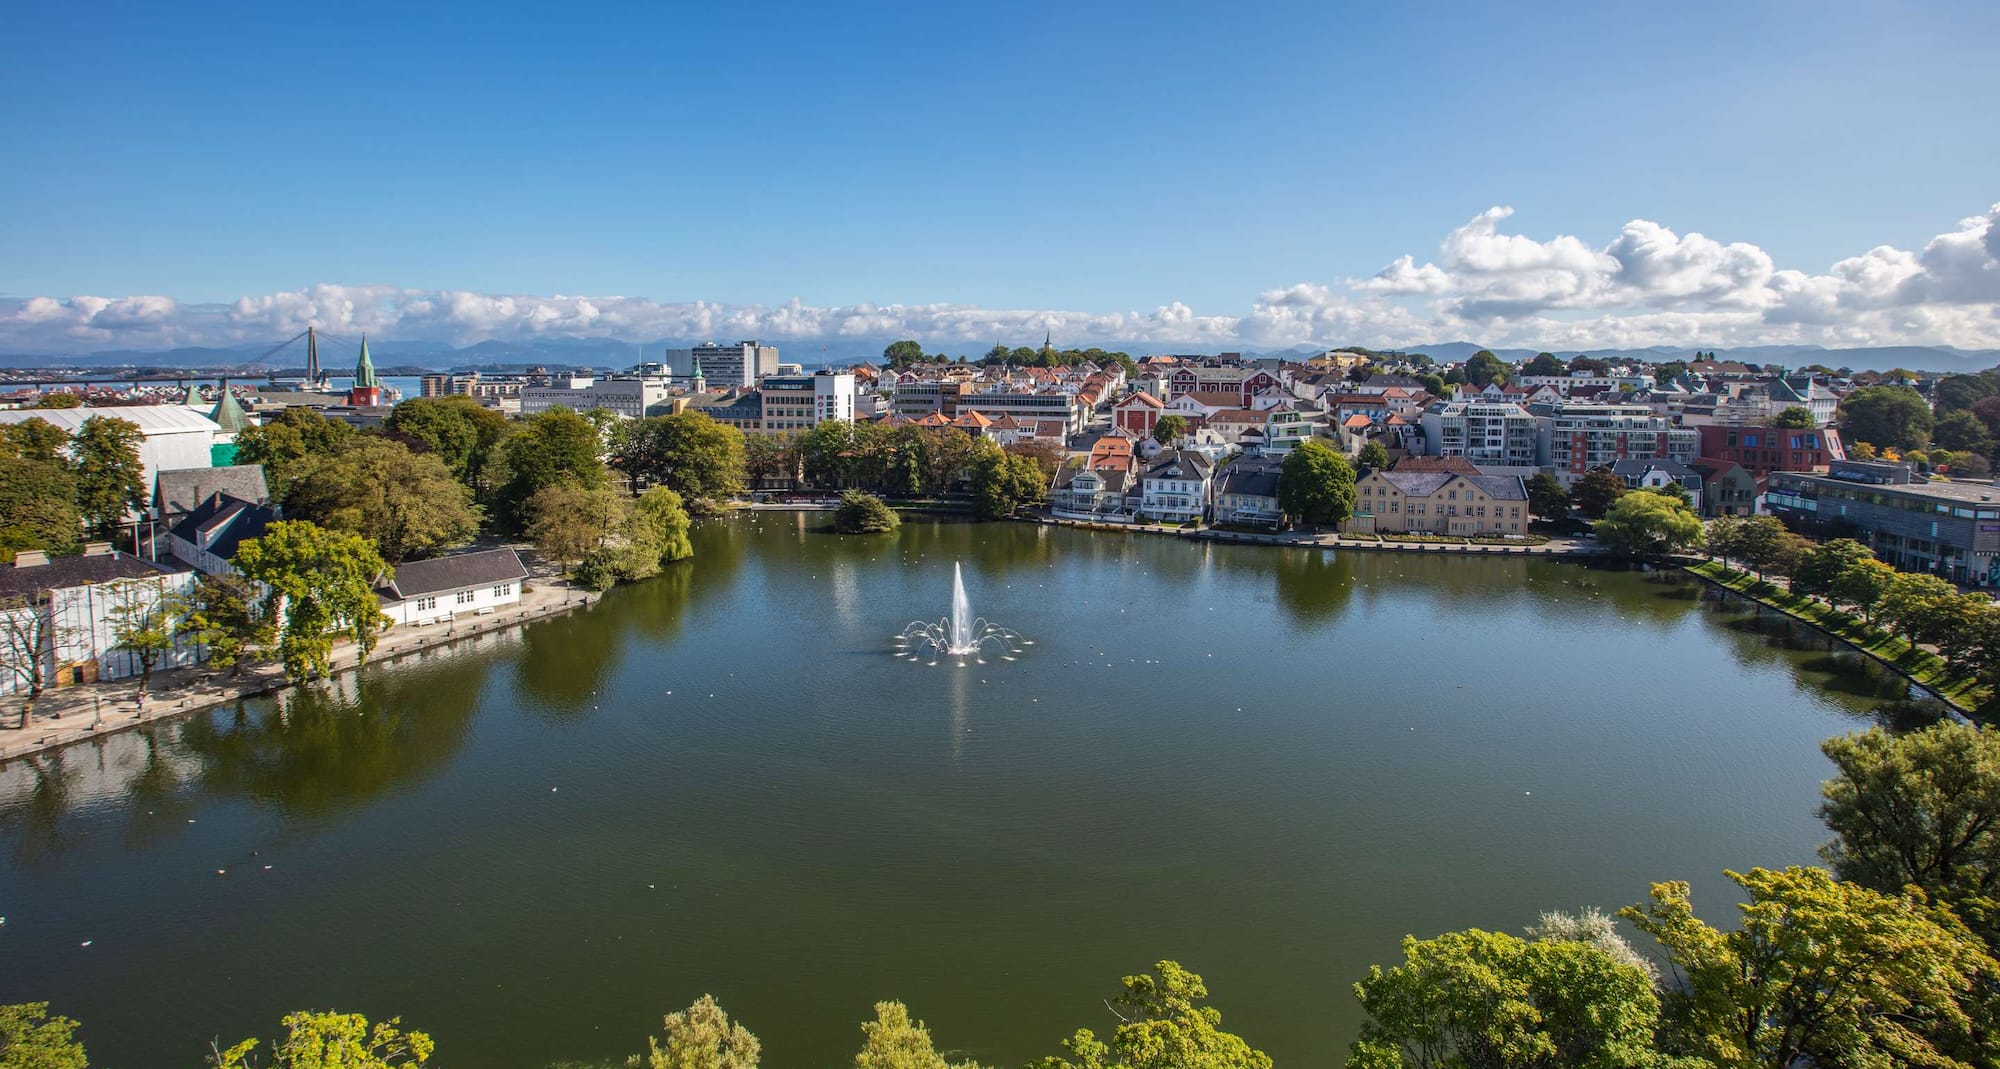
pixel 97 549
pixel 29 558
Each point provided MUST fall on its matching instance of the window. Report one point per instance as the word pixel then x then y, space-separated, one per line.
pixel 465 597
pixel 503 590
pixel 426 604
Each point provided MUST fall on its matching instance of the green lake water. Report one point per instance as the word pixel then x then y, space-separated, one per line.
pixel 1267 764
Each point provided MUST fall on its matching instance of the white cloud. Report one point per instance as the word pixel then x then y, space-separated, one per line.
pixel 1647 285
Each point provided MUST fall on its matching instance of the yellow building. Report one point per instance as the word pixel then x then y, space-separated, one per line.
pixel 1436 502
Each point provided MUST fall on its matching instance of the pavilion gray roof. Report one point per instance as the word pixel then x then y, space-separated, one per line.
pixel 183 489
pixel 456 572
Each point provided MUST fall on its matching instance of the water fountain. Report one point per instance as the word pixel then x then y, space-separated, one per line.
pixel 960 635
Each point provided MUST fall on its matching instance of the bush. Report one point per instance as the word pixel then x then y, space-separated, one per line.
pixel 861 513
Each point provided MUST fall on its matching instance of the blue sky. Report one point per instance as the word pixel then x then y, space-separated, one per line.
pixel 1098 159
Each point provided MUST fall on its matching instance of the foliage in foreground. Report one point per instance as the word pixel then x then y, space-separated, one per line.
pixel 861 513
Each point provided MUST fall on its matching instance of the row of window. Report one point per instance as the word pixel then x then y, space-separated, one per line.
pixel 463 597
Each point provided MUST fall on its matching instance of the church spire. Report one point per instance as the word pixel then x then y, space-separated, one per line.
pixel 364 369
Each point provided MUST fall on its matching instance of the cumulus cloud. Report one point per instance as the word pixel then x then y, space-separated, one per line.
pixel 1647 285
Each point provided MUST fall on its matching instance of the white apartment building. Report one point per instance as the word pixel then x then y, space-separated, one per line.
pixel 1578 437
pixel 1175 487
pixel 801 402
pixel 631 396
pixel 742 363
pixel 1025 406
pixel 1484 432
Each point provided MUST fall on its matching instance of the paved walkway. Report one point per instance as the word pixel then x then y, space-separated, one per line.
pixel 1554 547
pixel 73 714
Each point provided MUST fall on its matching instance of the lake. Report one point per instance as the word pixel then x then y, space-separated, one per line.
pixel 1267 764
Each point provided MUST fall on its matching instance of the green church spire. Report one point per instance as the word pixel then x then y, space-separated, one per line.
pixel 364 371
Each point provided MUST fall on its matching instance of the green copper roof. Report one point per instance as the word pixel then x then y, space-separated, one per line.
pixel 364 371
pixel 697 367
pixel 193 399
pixel 229 414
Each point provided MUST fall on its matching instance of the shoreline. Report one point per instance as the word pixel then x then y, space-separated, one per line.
pixel 1958 705
pixel 87 711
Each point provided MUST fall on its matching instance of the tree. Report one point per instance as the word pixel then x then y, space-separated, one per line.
pixel 1861 585
pixel 768 459
pixel 893 1041
pixel 568 522
pixel 1956 393
pixel 901 354
pixel 1816 573
pixel 688 453
pixel 1164 1025
pixel 29 633
pixel 1484 368
pixel 861 513
pixel 660 522
pixel 1373 456
pixel 1759 541
pixel 550 447
pixel 1543 365
pixel 110 478
pixel 408 503
pixel 334 1041
pixel 1860 451
pixel 145 620
pixel 321 583
pixel 284 443
pixel 1589 364
pixel 703 1037
pixel 1171 428
pixel 1488 999
pixel 60 399
pixel 1670 371
pixel 1316 484
pixel 1433 384
pixel 1646 523
pixel 1895 417
pixel 31 1039
pixel 1797 416
pixel 1596 492
pixel 1912 603
pixel 1919 809
pixel 224 615
pixel 34 439
pixel 1819 972
pixel 458 430
pixel 1047 455
pixel 37 506
pixel 1963 432
pixel 1003 482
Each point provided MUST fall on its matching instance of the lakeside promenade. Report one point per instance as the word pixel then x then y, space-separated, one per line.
pixel 68 715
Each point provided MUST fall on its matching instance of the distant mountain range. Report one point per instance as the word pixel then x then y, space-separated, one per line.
pixel 612 352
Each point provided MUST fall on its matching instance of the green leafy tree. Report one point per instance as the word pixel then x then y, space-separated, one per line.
pixel 1760 540
pixel 1003 482
pixel 225 615
pixel 1488 1000
pixel 1646 523
pixel 1956 393
pixel 31 1039
pixel 408 503
pixel 769 459
pixel 37 506
pixel 1816 573
pixel 1483 368
pixel 660 522
pixel 1912 605
pixel 688 453
pixel 893 1041
pixel 1861 585
pixel 1596 492
pixel 1165 1024
pixel 1544 364
pixel 1818 972
pixel 1894 417
pixel 334 1041
pixel 110 478
pixel 145 621
pixel 1373 456
pixel 1316 484
pixel 458 430
pixel 34 439
pixel 1724 538
pixel 283 443
pixel 703 1037
pixel 1170 428
pixel 1796 416
pixel 568 522
pixel 1547 497
pixel 1920 809
pixel 321 584
pixel 555 446
pixel 1670 371
pixel 861 513
pixel 1963 432
pixel 60 399
pixel 1434 384
pixel 901 354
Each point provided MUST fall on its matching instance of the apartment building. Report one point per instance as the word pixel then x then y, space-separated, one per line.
pixel 630 396
pixel 1484 432
pixel 742 363
pixel 1574 438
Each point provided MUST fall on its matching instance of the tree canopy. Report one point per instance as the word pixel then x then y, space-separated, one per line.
pixel 555 446
pixel 110 478
pixel 321 582
pixel 458 430
pixel 1483 368
pixel 408 503
pixel 31 1039
pixel 1645 522
pixel 1547 497
pixel 1796 416
pixel 1316 484
pixel 687 452
pixel 863 513
pixel 1893 417
pixel 1596 492
pixel 334 1041
pixel 1164 1024
pixel 1003 482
